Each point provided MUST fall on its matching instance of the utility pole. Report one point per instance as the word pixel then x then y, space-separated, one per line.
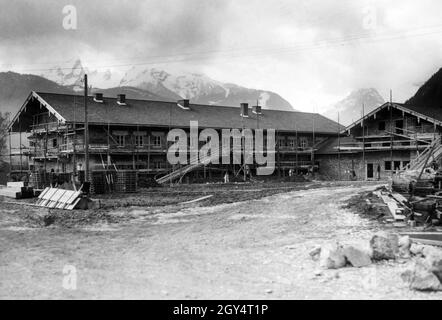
pixel 296 146
pixel 74 152
pixel 391 133
pixel 86 132
pixel 10 142
pixel 339 148
pixel 363 142
pixel 313 145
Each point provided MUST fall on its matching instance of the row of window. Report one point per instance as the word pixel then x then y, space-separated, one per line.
pixel 396 165
pixel 139 140
pixel 291 142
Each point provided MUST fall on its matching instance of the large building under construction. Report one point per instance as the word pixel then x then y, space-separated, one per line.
pixel 128 134
pixel 392 138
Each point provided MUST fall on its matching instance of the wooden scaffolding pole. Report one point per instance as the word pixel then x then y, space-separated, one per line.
pixel 391 133
pixel 363 143
pixel 86 131
pixel 297 147
pixel 339 148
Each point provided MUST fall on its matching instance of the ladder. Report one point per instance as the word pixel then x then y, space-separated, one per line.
pixel 419 162
pixel 193 165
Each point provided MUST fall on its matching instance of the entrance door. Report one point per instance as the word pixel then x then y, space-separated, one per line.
pixel 370 171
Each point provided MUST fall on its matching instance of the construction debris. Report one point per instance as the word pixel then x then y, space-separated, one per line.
pixel 16 190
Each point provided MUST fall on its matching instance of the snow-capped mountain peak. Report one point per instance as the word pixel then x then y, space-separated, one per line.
pixel 350 108
pixel 187 85
pixel 169 84
pixel 71 74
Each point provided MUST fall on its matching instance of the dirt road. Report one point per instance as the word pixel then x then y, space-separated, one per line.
pixel 248 250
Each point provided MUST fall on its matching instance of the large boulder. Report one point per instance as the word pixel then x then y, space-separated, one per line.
pixel 385 246
pixel 417 249
pixel 433 259
pixel 419 277
pixel 405 246
pixel 356 257
pixel 332 256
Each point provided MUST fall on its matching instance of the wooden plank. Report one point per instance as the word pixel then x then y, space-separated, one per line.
pixel 72 206
pixel 22 203
pixel 48 196
pixel 73 197
pixel 428 242
pixel 197 200
pixel 59 200
pixel 43 193
pixel 399 198
pixel 66 196
pixel 56 198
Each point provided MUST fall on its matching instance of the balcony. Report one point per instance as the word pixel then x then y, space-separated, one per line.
pixel 113 148
pixel 49 127
pixel 380 145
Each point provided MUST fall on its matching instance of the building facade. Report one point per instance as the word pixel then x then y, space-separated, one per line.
pixel 128 134
pixel 387 140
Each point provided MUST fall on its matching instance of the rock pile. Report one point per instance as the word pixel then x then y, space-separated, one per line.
pixel 335 256
pixel 424 274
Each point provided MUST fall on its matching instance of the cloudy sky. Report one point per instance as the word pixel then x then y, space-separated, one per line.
pixel 312 52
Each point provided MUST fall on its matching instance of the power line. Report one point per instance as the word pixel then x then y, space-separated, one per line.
pixel 256 51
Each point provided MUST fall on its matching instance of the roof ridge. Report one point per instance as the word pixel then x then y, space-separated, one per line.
pixel 174 102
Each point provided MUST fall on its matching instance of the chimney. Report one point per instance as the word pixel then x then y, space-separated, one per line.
pixel 245 110
pixel 257 110
pixel 98 97
pixel 183 104
pixel 121 99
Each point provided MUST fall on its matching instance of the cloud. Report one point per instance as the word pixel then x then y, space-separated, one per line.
pixel 312 52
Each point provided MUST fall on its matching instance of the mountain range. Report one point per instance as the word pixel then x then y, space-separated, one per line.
pixel 350 108
pixel 429 94
pixel 153 82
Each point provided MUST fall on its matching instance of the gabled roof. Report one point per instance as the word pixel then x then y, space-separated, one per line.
pixel 430 114
pixel 70 108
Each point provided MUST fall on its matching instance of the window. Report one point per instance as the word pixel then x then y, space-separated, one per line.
pixel 405 163
pixel 139 141
pixel 303 143
pixel 292 142
pixel 156 141
pixel 120 140
pixel 381 126
pixel 54 143
pixel 157 164
pixel 387 165
pixel 397 165
pixel 281 142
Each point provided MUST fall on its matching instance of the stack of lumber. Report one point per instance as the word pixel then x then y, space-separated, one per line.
pixel 17 190
pixel 395 203
pixel 59 198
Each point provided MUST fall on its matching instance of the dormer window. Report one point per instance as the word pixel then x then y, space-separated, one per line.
pixel 184 104
pixel 98 97
pixel 121 99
